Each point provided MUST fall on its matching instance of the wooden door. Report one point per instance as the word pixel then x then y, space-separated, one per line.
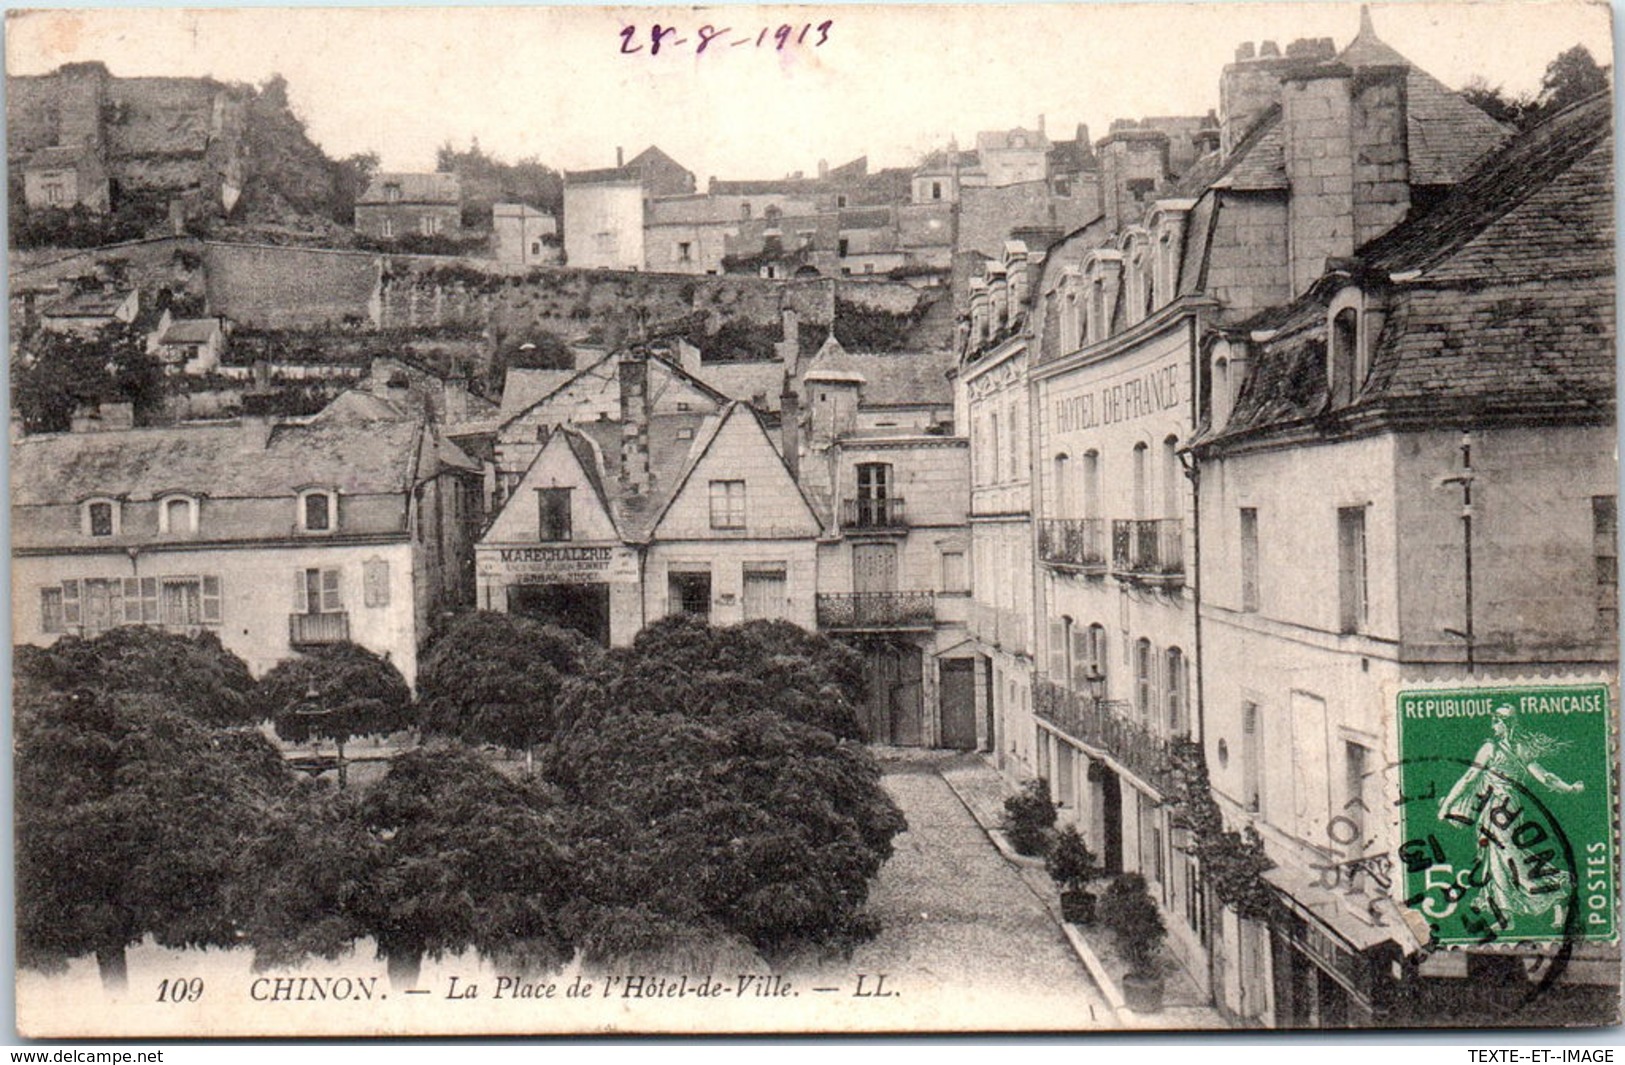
pixel 958 704
pixel 874 568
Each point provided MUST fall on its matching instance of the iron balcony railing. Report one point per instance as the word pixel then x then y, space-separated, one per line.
pixel 1075 543
pixel 1107 725
pixel 312 630
pixel 864 513
pixel 877 610
pixel 1149 550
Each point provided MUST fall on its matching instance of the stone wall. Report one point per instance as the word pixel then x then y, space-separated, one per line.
pixel 269 287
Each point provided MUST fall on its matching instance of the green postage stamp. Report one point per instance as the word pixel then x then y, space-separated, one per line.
pixel 1507 813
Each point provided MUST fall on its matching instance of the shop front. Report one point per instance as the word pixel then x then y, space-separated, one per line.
pixel 591 588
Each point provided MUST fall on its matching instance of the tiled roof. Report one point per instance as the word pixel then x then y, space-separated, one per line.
pixel 765 187
pixel 360 457
pixel 414 188
pixel 521 388
pixel 602 175
pixel 1259 159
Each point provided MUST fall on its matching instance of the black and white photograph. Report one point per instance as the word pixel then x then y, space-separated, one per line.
pixel 867 519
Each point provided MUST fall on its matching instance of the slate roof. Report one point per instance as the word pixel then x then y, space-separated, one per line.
pixel 765 186
pixel 55 158
pixel 1503 306
pixel 360 457
pixel 602 175
pixel 746 381
pixel 190 331
pixel 1258 162
pixel 522 388
pixel 95 303
pixel 902 379
pixel 415 188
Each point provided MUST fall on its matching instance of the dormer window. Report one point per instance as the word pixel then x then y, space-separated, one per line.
pixel 1348 360
pixel 177 514
pixel 100 517
pixel 318 510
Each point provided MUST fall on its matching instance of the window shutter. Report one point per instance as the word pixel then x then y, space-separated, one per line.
pixel 1057 652
pixel 115 601
pixel 1080 660
pixel 301 603
pixel 149 599
pixel 331 603
pixel 211 600
pixel 70 603
pixel 132 601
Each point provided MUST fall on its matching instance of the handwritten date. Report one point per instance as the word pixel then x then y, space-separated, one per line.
pixel 710 38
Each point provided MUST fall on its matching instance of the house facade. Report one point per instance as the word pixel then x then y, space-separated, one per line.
pixel 397 205
pixel 633 491
pixel 278 537
pixel 525 235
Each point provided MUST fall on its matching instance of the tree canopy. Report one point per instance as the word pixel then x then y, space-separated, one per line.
pixel 494 678
pixel 196 674
pixel 53 372
pixel 131 821
pixel 334 693
pixel 1571 77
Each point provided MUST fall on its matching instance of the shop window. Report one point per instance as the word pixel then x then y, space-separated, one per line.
pixel 689 593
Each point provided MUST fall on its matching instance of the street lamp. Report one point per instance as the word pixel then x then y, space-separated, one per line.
pixel 1095 681
pixel 311 706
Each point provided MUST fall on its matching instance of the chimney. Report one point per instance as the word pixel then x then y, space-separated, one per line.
pixel 1040 123
pixel 620 156
pixel 823 170
pixel 688 357
pixel 790 425
pixel 634 380
pixel 1316 122
pixel 177 217
pixel 255 423
pixel 456 397
pixel 788 349
pixel 1382 174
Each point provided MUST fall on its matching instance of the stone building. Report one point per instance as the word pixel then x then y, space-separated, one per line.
pixel 603 219
pixel 632 491
pixel 277 537
pixel 397 205
pixel 1466 354
pixel 525 235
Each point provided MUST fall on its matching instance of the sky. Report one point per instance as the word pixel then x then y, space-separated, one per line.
pixel 889 81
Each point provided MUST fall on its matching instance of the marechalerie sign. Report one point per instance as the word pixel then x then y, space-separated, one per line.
pixel 531 565
pixel 1508 813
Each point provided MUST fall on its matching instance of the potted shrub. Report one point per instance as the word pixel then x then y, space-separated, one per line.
pixel 1028 817
pixel 1136 924
pixel 1072 865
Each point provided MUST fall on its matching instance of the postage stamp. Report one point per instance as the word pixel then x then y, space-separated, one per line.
pixel 1508 813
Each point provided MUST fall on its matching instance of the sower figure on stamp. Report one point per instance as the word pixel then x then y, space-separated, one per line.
pixel 1512 882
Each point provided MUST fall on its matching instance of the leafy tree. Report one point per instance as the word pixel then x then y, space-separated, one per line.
pixel 1570 78
pixel 487 180
pixel 334 693
pixel 131 819
pixel 52 373
pixel 712 797
pixel 444 854
pixel 493 678
pixel 351 176
pixel 195 674
pixel 682 665
pixel 1496 102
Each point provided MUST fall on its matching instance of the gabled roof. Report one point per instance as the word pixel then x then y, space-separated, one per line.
pixel 524 387
pixel 704 438
pixel 747 381
pixel 1258 161
pixel 653 155
pixel 414 188
pixel 95 303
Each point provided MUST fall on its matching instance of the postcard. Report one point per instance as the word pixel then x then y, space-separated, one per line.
pixel 986 518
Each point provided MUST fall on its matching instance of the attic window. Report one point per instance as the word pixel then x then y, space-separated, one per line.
pixel 177 514
pixel 100 517
pixel 1346 372
pixel 318 510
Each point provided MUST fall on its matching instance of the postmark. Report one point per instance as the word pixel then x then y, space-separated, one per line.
pixel 1506 814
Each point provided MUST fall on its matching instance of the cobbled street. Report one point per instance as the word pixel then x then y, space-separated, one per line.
pixel 959 927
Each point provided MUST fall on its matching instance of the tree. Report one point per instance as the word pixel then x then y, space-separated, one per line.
pixel 52 373
pixel 351 176
pixel 1495 102
pixel 711 798
pixel 334 693
pixel 195 674
pixel 443 855
pixel 494 678
pixel 685 666
pixel 131 817
pixel 1570 78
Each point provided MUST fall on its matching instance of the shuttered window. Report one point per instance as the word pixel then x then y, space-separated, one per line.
pixel 316 591
pixel 765 592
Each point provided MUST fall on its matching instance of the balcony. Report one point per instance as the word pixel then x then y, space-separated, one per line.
pixel 1107 726
pixel 1149 552
pixel 1073 544
pixel 877 611
pixel 874 515
pixel 315 630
